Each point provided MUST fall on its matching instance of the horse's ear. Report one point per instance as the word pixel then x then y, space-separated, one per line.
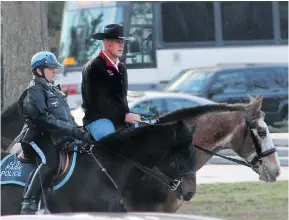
pixel 180 122
pixel 254 106
pixel 193 129
pixel 259 97
pixel 251 99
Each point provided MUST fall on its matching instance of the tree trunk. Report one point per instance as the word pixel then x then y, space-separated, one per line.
pixel 24 32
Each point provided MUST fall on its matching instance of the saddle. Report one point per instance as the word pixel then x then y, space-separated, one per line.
pixel 64 159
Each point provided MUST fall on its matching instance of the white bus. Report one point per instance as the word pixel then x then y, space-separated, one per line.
pixel 173 36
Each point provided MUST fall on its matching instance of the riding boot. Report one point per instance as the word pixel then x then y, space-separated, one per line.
pixel 31 196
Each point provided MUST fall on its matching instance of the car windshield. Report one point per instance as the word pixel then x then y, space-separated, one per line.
pixel 192 81
pixel 80 21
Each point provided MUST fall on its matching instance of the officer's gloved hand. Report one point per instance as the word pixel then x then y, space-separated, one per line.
pixel 81 134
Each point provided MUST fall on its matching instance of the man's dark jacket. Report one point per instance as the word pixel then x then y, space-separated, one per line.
pixel 46 108
pixel 104 91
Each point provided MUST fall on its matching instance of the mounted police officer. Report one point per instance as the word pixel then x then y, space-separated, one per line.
pixel 49 124
pixel 104 86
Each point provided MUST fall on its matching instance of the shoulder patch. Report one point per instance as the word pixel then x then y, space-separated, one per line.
pixel 31 84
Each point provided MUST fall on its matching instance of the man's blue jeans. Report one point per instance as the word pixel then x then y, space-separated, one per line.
pixel 100 128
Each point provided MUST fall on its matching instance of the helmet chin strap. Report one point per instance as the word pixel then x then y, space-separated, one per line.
pixel 42 75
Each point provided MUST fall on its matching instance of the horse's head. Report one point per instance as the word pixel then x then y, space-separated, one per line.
pixel 179 161
pixel 257 147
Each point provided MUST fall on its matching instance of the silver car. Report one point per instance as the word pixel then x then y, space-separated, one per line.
pixel 158 103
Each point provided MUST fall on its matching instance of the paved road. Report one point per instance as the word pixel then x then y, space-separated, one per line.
pixel 231 173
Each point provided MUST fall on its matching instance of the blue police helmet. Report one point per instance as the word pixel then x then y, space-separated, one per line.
pixel 45 58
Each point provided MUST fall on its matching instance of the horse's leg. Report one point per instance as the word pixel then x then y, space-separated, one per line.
pixel 11 199
pixel 115 204
pixel 120 208
pixel 57 203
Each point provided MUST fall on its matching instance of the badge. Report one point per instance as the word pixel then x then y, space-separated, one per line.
pixel 110 72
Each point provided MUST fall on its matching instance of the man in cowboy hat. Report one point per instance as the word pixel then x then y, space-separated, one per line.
pixel 104 86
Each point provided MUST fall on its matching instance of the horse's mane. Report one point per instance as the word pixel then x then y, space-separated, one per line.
pixel 199 110
pixel 128 134
pixel 139 137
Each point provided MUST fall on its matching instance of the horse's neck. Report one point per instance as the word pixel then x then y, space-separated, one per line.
pixel 215 132
pixel 146 145
pixel 147 151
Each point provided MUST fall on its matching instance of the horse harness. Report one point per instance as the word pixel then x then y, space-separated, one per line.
pixel 258 158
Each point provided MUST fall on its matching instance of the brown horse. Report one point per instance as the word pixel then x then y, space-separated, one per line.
pixel 239 127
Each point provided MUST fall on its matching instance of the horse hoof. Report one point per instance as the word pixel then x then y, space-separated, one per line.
pixel 43 212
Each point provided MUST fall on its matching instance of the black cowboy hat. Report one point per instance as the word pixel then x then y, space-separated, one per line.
pixel 111 31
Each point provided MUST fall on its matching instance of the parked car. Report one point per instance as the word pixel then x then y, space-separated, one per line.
pixel 152 103
pixel 156 103
pixel 233 83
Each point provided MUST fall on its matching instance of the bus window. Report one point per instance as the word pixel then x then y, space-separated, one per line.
pixel 79 23
pixel 187 22
pixel 283 8
pixel 247 20
pixel 140 50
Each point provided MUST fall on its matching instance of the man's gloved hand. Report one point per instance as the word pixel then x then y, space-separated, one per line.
pixel 80 134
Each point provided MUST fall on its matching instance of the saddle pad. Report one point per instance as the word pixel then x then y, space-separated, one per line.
pixel 14 171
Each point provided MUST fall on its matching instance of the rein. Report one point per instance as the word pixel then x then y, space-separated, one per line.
pixel 242 162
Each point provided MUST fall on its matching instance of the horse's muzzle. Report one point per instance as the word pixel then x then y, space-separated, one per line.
pixel 188 196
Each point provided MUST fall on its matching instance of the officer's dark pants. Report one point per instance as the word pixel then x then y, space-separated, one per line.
pixel 48 161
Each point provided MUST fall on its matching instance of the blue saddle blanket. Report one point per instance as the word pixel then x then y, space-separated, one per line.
pixel 14 171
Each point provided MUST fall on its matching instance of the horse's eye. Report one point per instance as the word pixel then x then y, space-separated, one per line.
pixel 173 164
pixel 262 132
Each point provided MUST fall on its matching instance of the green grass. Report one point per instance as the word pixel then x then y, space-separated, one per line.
pixel 250 201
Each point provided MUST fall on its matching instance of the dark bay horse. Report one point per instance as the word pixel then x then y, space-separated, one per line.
pixel 13 121
pixel 125 155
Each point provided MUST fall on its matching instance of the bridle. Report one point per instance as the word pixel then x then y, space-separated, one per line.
pixel 259 154
pixel 262 133
pixel 176 165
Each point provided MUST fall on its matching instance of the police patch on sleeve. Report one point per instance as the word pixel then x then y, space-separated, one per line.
pixel 31 84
